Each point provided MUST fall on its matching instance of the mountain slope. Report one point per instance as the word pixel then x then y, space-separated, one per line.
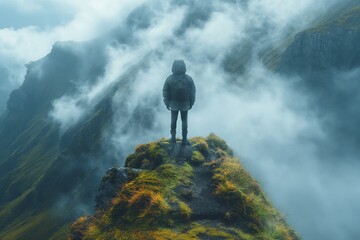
pixel 332 44
pixel 327 59
pixel 277 57
pixel 173 192
pixel 46 173
pixel 35 157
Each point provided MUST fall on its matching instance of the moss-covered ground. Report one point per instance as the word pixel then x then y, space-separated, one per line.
pixel 151 206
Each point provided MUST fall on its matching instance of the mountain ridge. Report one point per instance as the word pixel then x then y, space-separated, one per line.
pixel 34 154
pixel 168 191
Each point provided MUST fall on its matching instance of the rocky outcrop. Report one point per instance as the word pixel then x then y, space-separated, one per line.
pixel 182 192
pixel 111 183
pixel 113 180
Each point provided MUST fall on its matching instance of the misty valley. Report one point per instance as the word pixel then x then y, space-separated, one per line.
pixel 97 140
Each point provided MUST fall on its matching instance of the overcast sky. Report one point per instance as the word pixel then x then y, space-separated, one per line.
pixel 29 28
pixel 269 123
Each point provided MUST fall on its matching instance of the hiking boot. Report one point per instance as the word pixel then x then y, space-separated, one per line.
pixel 173 136
pixel 185 142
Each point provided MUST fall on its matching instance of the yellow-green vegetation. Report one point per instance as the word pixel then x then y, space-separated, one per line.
pixel 193 232
pixel 185 211
pixel 149 156
pixel 246 201
pixel 218 144
pixel 33 156
pixel 197 158
pixel 151 205
pixel 349 19
pixel 200 144
pixel 272 57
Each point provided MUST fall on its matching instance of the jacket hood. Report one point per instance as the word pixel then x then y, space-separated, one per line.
pixel 179 67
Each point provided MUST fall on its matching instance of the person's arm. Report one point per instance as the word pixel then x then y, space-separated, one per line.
pixel 192 92
pixel 166 93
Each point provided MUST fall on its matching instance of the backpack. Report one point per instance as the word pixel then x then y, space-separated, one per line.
pixel 180 89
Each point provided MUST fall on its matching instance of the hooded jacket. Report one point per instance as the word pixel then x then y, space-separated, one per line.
pixel 179 89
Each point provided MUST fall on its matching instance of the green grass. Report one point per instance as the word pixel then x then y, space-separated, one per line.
pixel 45 223
pixel 247 202
pixel 149 156
pixel 197 158
pixel 350 20
pixel 34 155
pixel 149 205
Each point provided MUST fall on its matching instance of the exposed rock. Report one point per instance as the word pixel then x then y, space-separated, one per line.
pixel 177 197
pixel 333 45
pixel 113 180
pixel 322 50
pixel 78 229
pixel 17 101
pixel 203 203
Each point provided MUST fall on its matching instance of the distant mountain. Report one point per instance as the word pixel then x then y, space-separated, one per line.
pixel 169 191
pixel 332 44
pixel 46 173
pixel 38 165
pixel 327 58
pixel 298 46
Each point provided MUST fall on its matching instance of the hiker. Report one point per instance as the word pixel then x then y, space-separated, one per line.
pixel 179 95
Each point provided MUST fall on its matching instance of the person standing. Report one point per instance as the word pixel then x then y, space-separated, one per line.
pixel 179 96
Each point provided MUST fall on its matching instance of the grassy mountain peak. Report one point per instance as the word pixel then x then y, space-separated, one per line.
pixel 200 191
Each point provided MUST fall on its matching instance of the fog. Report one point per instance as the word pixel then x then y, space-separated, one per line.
pixel 273 125
pixel 28 30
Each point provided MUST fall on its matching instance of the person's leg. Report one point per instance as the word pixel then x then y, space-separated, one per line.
pixel 174 116
pixel 184 117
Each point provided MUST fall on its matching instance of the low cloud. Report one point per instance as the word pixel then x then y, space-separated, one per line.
pixel 270 124
pixel 265 118
pixel 19 46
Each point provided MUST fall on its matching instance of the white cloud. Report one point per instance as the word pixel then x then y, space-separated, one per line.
pixel 220 32
pixel 90 20
pixel 259 120
pixel 67 111
pixel 121 59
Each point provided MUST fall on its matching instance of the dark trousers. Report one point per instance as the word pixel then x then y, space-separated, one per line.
pixel 174 116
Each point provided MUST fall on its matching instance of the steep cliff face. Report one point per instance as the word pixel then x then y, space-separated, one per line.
pixel 25 128
pixel 45 175
pixel 327 59
pixel 47 172
pixel 322 51
pixel 170 191
pixel 38 165
pixel 42 84
pixel 331 45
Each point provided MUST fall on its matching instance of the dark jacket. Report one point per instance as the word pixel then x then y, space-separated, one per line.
pixel 179 88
